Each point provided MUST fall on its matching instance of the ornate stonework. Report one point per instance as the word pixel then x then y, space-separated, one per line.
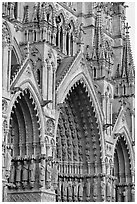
pixel 68 83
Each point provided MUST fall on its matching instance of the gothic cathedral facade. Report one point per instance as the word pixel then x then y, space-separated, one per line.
pixel 68 112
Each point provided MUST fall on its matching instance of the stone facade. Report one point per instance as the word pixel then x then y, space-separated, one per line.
pixel 68 112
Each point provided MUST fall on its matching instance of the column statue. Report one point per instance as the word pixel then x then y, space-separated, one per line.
pixel 75 190
pixel 32 167
pixel 8 162
pixel 25 173
pixel 87 189
pixel 80 190
pixel 95 193
pixel 42 172
pixel 18 174
pixel 81 32
pixel 70 191
pixel 48 174
pixel 59 190
pixel 64 189
pixel 12 173
pixel 103 188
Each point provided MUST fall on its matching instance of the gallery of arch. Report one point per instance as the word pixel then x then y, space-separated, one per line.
pixel 68 112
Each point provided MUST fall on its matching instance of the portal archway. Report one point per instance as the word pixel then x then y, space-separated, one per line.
pixel 24 127
pixel 78 148
pixel 122 172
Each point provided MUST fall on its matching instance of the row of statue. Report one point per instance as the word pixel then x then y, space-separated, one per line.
pixel 33 173
pixel 71 190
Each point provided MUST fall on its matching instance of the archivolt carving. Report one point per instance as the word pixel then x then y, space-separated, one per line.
pixel 4 105
pixel 6 38
pixel 50 127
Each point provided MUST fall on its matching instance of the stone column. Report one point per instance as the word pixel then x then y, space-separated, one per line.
pixel 5 66
pixel 53 85
pixel 69 44
pixel 45 33
pixel 49 79
pixel 54 37
pixel 110 115
pixel 74 46
pixel 64 42
pixel 133 124
pixel 44 80
pixel 32 36
pixel 104 105
pixel 58 36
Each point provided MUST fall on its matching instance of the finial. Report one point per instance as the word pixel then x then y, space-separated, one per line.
pixel 127 28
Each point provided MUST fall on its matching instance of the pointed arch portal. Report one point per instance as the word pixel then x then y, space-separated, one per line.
pixel 122 172
pixel 24 127
pixel 78 148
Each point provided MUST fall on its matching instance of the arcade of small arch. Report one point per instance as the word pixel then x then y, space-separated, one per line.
pixel 58 30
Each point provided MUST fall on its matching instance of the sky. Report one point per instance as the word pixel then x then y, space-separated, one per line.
pixel 130 18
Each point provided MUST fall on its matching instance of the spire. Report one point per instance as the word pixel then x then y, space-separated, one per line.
pixel 98 44
pixel 128 70
pixel 26 14
pixel 39 11
pixel 43 16
pixel 35 16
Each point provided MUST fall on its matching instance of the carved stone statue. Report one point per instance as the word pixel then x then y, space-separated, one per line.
pixel 88 190
pixel 95 193
pixel 70 191
pixel 103 188
pixel 8 162
pixel 48 174
pixel 64 188
pixel 81 32
pixel 12 173
pixel 32 173
pixel 54 175
pixel 25 173
pixel 42 172
pixel 108 191
pixel 75 192
pixel 18 174
pixel 80 190
pixel 59 189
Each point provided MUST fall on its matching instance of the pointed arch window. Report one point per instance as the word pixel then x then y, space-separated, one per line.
pixel 61 38
pixel 124 89
pixel 67 43
pixel 94 73
pixel 16 10
pixel 71 44
pixel 38 76
pixel 35 37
